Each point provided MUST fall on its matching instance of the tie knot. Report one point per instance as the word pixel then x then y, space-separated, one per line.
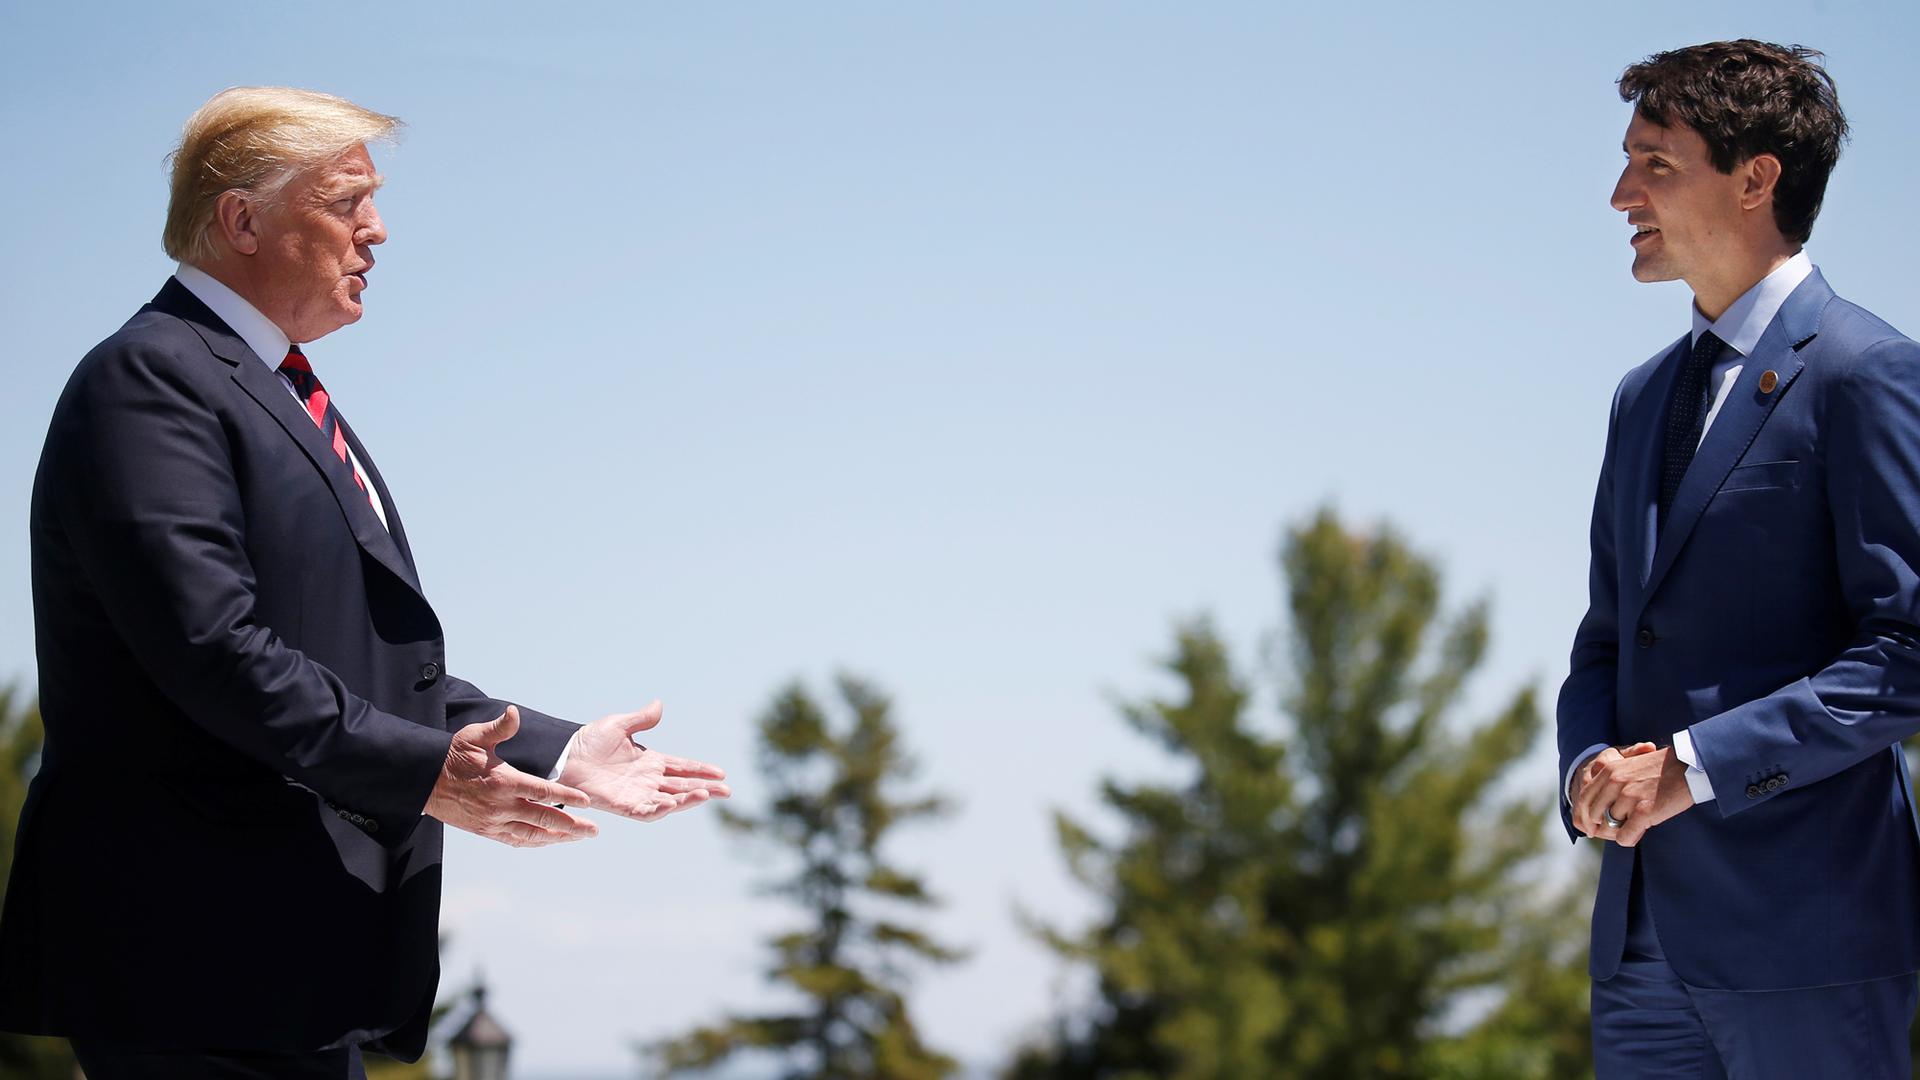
pixel 1707 348
pixel 296 361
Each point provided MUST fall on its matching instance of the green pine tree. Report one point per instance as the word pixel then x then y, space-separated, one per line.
pixel 21 736
pixel 1314 899
pixel 832 807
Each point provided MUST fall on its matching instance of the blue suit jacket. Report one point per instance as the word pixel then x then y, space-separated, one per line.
pixel 247 705
pixel 1776 616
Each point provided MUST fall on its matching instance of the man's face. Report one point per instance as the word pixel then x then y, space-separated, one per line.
pixel 316 247
pixel 1686 212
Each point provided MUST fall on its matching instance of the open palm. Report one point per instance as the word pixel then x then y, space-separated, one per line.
pixel 626 778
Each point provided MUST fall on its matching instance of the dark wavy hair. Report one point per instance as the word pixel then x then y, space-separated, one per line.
pixel 1747 98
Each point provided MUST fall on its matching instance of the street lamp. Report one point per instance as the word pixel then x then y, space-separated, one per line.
pixel 480 1046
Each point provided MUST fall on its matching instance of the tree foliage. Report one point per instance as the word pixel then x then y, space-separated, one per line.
pixel 831 809
pixel 1322 898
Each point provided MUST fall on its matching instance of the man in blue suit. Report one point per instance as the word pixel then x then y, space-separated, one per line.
pixel 1750 659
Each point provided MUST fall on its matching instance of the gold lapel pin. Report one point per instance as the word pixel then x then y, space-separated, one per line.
pixel 1768 380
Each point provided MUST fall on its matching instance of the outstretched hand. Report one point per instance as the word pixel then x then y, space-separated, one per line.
pixel 483 795
pixel 1640 785
pixel 625 778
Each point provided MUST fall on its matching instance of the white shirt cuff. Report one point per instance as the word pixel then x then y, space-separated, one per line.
pixel 1566 789
pixel 560 765
pixel 1697 781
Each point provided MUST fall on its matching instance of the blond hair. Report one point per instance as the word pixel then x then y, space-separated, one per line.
pixel 255 139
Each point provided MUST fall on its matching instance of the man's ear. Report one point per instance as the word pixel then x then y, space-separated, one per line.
pixel 1762 176
pixel 237 220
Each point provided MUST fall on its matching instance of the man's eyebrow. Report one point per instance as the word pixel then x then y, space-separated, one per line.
pixel 1643 148
pixel 355 186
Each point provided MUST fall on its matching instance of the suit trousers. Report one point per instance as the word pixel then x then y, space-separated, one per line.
pixel 106 1061
pixel 1649 1025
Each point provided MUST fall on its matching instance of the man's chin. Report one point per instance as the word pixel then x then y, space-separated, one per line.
pixel 344 316
pixel 1651 270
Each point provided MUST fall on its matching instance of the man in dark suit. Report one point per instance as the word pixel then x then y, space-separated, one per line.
pixel 229 861
pixel 1750 659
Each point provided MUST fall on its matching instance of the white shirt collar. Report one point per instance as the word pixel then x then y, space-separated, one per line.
pixel 267 341
pixel 1741 325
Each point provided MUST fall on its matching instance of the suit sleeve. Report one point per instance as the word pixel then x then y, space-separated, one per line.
pixel 1584 716
pixel 1868 697
pixel 145 488
pixel 537 746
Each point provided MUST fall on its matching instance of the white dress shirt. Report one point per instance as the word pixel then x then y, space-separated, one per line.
pixel 1740 326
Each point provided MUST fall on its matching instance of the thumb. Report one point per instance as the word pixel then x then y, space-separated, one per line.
pixel 635 722
pixel 497 730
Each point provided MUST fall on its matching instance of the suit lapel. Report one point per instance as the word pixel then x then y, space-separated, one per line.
pixel 263 385
pixel 1740 418
pixel 394 527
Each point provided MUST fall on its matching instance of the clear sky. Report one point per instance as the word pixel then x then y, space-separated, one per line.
pixel 964 346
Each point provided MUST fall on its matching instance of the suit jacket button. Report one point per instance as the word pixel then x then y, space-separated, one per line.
pixel 1753 791
pixel 1644 638
pixel 429 671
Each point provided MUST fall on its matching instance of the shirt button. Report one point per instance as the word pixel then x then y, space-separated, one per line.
pixel 1644 638
pixel 429 671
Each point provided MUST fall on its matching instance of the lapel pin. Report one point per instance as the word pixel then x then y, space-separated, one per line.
pixel 1768 380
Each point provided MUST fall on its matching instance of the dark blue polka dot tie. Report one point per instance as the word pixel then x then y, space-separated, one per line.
pixel 1686 416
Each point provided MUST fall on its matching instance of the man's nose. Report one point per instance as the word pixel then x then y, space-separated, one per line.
pixel 372 229
pixel 1626 195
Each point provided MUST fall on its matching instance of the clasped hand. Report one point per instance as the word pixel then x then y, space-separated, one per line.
pixel 480 793
pixel 1641 785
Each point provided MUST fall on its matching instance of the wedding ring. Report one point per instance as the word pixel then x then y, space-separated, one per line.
pixel 1612 822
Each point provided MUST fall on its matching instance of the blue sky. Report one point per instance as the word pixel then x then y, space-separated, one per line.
pixel 967 347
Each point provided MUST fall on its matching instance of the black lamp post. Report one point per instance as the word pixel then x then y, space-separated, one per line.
pixel 481 1045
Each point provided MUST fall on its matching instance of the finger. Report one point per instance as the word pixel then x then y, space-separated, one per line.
pixel 674 785
pixel 662 805
pixel 519 785
pixel 497 730
pixel 1631 832
pixel 635 722
pixel 522 834
pixel 554 819
pixel 679 766
pixel 673 804
pixel 1596 817
pixel 1637 749
pixel 1590 774
pixel 1596 794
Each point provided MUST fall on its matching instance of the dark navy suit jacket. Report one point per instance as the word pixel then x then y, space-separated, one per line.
pixel 1776 616
pixel 246 704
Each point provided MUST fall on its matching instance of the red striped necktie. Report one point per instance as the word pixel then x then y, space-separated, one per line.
pixel 319 406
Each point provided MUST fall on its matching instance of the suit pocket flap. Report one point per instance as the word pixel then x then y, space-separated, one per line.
pixel 1763 474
